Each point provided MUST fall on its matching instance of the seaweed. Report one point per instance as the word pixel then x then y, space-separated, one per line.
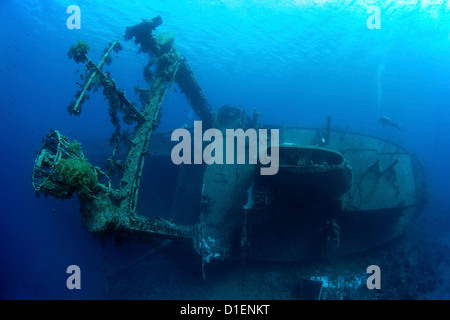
pixel 75 147
pixel 79 174
pixel 78 51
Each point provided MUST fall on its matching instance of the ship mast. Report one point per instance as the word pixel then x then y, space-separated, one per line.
pixel 104 208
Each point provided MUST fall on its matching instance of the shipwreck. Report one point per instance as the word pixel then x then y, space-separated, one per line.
pixel 335 193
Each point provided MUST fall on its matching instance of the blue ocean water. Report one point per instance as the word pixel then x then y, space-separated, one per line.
pixel 296 61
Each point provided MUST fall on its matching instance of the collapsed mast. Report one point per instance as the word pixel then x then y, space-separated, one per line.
pixel 61 168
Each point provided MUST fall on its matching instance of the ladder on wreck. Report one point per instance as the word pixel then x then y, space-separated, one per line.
pixel 102 207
